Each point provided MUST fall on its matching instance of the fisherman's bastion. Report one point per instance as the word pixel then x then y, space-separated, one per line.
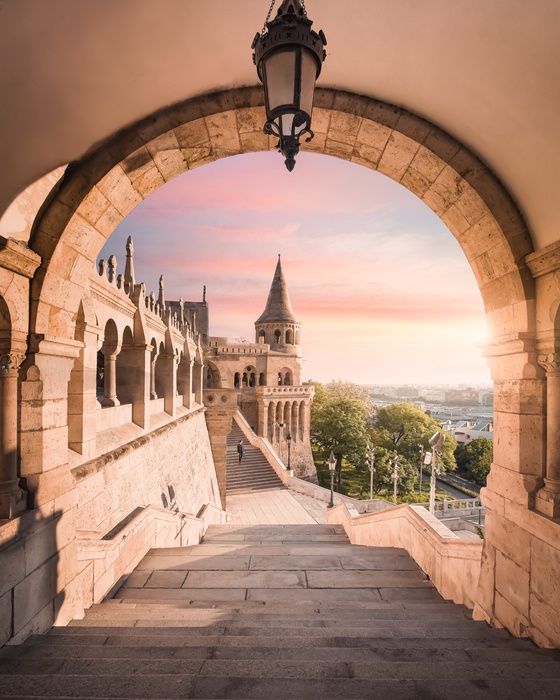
pixel 120 574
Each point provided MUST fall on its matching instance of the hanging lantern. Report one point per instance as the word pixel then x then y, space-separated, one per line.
pixel 289 56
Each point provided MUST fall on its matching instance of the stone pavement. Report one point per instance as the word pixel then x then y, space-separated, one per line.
pixel 276 506
pixel 282 612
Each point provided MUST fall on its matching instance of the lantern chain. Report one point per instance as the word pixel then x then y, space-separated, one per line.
pixel 263 32
pixel 267 17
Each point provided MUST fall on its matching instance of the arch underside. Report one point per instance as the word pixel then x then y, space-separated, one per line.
pixel 100 191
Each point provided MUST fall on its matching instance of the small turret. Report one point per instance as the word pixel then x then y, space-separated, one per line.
pixel 129 266
pixel 278 325
pixel 161 295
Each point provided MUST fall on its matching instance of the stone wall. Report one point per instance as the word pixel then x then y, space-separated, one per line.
pixel 72 549
pixel 170 467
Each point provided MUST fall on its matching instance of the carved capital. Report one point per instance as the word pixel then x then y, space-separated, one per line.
pixel 17 257
pixel 550 361
pixel 10 362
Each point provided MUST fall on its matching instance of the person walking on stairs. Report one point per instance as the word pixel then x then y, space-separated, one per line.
pixel 240 450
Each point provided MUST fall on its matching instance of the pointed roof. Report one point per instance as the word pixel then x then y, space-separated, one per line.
pixel 278 306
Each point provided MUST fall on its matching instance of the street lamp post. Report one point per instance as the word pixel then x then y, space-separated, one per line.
pixel 332 467
pixel 371 466
pixel 436 441
pixel 421 465
pixel 289 441
pixel 395 477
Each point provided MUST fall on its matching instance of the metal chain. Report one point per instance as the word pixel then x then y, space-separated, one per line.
pixel 267 17
pixel 263 32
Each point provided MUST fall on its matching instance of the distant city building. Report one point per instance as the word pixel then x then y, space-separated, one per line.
pixel 407 392
pixel 464 431
pixel 464 397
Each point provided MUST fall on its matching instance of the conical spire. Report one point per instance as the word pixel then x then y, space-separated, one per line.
pixel 278 306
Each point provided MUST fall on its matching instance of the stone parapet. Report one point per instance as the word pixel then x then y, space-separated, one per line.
pixel 285 392
pixel 452 564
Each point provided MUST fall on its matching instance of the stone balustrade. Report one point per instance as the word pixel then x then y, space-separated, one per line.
pixel 452 564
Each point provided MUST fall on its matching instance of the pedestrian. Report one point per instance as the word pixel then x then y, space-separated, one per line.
pixel 240 450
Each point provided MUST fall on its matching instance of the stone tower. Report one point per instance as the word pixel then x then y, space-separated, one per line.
pixel 278 326
pixel 267 376
pixel 284 404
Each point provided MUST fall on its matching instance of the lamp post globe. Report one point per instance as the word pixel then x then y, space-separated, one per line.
pixel 289 55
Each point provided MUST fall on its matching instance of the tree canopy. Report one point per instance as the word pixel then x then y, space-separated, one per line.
pixel 404 428
pixel 478 454
pixel 339 422
pixel 344 420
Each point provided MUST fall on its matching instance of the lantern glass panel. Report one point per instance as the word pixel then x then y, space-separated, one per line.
pixel 280 71
pixel 308 77
pixel 286 121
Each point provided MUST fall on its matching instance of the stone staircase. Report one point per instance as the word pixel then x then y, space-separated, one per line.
pixel 278 612
pixel 254 473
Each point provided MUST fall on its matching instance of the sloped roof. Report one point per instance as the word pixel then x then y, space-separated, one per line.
pixel 278 306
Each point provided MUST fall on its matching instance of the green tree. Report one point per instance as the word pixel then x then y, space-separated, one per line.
pixel 479 458
pixel 338 424
pixel 461 456
pixel 403 428
pixel 337 388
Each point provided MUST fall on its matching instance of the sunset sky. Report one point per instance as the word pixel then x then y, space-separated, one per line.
pixel 384 293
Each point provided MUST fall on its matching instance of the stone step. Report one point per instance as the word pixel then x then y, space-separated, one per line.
pixel 362 618
pixel 278 612
pixel 512 650
pixel 335 608
pixel 253 473
pixel 405 630
pixel 284 668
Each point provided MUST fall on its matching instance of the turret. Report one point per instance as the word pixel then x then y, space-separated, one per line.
pixel 278 326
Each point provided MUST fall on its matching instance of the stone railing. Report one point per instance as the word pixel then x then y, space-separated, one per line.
pixel 452 564
pixel 320 493
pixel 285 391
pixel 118 552
pixel 456 508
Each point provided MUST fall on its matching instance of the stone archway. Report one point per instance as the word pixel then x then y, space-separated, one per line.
pixel 97 193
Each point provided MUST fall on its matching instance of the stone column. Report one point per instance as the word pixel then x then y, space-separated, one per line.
pixel 263 419
pixel 13 500
pixel 82 398
pixel 184 381
pixel 221 406
pixel 198 381
pixel 169 367
pixel 296 417
pixel 304 421
pixel 110 381
pixel 547 500
pixel 287 418
pixel 137 376
pixel 153 394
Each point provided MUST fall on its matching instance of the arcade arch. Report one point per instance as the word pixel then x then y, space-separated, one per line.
pixel 478 211
pixel 101 190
